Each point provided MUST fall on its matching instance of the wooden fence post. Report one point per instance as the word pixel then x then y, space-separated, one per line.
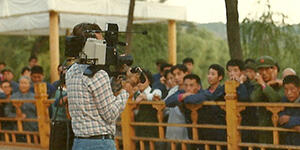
pixel 127 130
pixel 40 90
pixel 233 136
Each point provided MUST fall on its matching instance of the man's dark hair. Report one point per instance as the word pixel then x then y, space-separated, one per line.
pixel 79 29
pixel 6 70
pixel 249 60
pixel 160 61
pixel 148 74
pixel 166 73
pixel 181 67
pixel 219 69
pixel 25 69
pixel 32 57
pixel 2 63
pixel 293 79
pixel 163 66
pixel 193 77
pixel 37 70
pixel 235 62
pixel 188 60
pixel 5 81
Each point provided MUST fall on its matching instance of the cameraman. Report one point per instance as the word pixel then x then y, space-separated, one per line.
pixel 93 106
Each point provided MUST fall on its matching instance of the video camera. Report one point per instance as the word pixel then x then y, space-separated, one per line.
pixel 99 54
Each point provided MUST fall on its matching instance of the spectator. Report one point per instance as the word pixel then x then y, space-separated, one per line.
pixel 32 61
pixel 157 84
pixel 147 113
pixel 288 71
pixel 6 90
pixel 59 71
pixel 9 76
pixel 250 69
pixel 157 76
pixel 2 66
pixel 175 115
pixel 24 89
pixel 26 72
pixel 235 69
pixel 5 93
pixel 189 63
pixel 37 76
pixel 168 81
pixel 265 92
pixel 192 85
pixel 290 117
pixel 28 109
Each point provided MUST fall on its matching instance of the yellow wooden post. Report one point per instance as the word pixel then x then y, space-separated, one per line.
pixel 233 137
pixel 40 90
pixel 127 130
pixel 172 42
pixel 54 44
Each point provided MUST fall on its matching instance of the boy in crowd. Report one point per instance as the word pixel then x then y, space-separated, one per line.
pixel 147 113
pixel 37 76
pixel 290 117
pixel 189 63
pixel 158 84
pixel 250 69
pixel 265 92
pixel 9 76
pixel 32 61
pixel 175 115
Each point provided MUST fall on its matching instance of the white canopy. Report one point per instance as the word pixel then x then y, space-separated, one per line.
pixel 31 17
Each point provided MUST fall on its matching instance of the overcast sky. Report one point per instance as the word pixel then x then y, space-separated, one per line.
pixel 205 11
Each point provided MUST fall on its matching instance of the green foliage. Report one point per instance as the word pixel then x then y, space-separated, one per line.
pixel 266 37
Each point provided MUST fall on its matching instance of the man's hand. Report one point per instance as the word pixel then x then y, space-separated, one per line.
pixel 297 128
pixel 141 97
pixel 273 82
pixel 259 79
pixel 184 95
pixel 284 119
pixel 156 98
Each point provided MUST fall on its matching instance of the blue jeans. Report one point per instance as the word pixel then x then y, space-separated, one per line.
pixel 93 144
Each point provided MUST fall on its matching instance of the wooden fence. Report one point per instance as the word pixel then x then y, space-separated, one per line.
pixel 127 139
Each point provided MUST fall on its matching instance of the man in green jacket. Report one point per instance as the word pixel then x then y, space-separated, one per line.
pixel 267 88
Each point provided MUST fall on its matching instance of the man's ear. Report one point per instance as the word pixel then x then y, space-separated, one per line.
pixel 220 78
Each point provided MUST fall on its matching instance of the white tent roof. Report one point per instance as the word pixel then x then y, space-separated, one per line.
pixel 31 17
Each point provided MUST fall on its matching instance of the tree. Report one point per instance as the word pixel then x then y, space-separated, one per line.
pixel 233 29
pixel 129 25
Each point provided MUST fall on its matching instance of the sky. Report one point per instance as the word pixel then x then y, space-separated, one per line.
pixel 207 11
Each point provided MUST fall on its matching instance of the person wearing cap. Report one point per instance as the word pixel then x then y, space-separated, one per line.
pixel 264 92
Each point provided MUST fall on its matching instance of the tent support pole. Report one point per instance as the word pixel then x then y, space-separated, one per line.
pixel 54 45
pixel 172 41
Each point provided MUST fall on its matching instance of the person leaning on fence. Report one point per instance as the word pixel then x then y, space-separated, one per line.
pixel 146 113
pixel 290 117
pixel 37 76
pixel 266 89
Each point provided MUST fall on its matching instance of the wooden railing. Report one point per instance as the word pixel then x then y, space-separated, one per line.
pixel 12 127
pixel 128 139
pixel 233 126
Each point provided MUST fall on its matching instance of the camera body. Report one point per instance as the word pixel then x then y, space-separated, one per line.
pixel 97 52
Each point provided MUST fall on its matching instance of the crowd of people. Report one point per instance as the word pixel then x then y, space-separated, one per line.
pixel 177 85
pixel 21 90
pixel 259 82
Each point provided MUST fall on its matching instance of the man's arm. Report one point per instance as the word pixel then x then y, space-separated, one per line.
pixel 173 100
pixel 108 105
pixel 196 98
pixel 256 95
pixel 272 95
